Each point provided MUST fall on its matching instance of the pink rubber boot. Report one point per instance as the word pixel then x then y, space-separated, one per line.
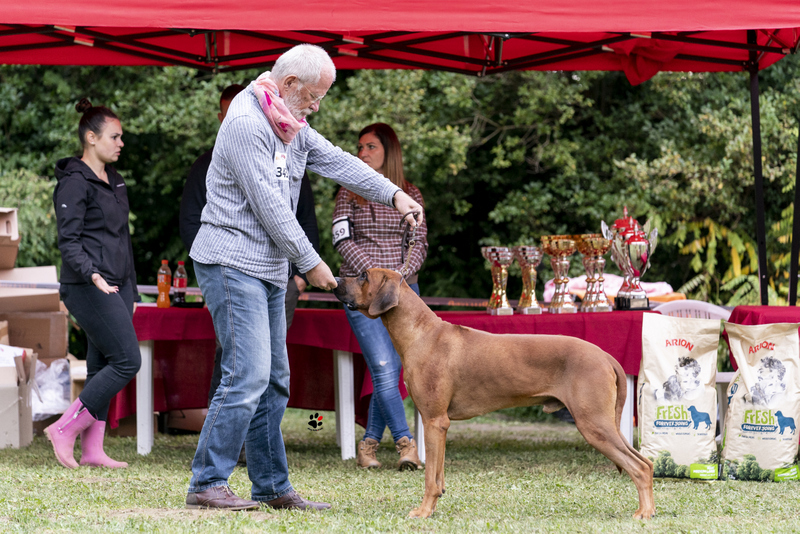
pixel 62 433
pixel 92 447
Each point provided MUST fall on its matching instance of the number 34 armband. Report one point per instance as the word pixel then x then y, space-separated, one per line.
pixel 342 230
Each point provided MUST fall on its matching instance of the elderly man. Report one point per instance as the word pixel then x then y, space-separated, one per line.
pixel 240 254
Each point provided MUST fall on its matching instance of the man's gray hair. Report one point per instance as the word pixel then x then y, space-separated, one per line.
pixel 306 61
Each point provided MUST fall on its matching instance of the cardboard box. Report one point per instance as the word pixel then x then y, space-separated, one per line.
pixel 47 333
pixel 127 427
pixel 19 299
pixel 77 376
pixel 188 420
pixel 16 419
pixel 9 238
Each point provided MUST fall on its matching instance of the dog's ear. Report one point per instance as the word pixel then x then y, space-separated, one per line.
pixel 388 293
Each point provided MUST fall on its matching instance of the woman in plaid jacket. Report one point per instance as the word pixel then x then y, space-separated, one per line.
pixel 367 235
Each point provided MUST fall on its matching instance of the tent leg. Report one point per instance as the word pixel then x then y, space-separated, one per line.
pixel 795 231
pixel 761 226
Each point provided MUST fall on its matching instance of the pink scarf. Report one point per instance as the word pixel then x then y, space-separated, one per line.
pixel 282 121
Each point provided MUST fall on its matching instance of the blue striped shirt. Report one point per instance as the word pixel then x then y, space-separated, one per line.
pixel 253 185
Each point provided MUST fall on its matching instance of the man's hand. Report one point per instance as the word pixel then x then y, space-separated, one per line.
pixel 321 277
pixel 102 285
pixel 300 283
pixel 404 203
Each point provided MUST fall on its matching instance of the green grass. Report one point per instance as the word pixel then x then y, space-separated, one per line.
pixel 501 475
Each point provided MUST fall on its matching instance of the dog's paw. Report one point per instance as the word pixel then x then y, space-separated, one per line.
pixel 644 514
pixel 419 512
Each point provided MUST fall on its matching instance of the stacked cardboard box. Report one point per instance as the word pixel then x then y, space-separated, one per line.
pixel 9 237
pixel 29 317
pixel 36 318
pixel 17 370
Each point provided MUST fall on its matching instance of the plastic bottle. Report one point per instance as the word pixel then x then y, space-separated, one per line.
pixel 179 282
pixel 164 279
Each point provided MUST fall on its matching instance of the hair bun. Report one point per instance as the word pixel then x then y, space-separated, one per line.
pixel 83 106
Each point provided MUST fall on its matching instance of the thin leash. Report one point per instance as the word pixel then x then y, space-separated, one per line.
pixel 408 242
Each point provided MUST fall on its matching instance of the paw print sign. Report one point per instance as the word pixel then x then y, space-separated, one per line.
pixel 315 422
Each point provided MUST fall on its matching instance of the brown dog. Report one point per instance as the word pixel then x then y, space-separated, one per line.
pixel 454 373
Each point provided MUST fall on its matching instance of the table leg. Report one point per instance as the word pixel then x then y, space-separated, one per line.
pixel 344 391
pixel 144 399
pixel 723 381
pixel 419 435
pixel 626 421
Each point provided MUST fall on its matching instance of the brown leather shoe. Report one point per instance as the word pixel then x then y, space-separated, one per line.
pixel 219 497
pixel 407 449
pixel 293 501
pixel 368 453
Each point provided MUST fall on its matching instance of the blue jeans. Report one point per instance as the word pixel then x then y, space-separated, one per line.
pixel 248 406
pixel 386 405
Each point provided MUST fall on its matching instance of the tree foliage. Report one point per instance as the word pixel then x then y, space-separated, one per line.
pixel 500 160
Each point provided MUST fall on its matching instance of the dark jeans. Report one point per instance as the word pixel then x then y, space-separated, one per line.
pixel 292 295
pixel 112 357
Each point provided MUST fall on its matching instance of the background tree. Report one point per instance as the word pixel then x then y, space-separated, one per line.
pixel 500 160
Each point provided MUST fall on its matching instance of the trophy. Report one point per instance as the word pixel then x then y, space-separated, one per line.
pixel 500 258
pixel 560 248
pixel 631 248
pixel 528 259
pixel 593 247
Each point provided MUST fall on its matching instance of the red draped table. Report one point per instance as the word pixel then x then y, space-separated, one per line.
pixel 327 370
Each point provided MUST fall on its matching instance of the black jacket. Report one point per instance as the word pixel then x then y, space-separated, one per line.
pixel 92 219
pixel 194 199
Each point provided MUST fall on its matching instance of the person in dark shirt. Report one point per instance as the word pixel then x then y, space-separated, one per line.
pixel 194 199
pixel 98 281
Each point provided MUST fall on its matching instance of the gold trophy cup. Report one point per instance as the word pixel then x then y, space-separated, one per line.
pixel 500 258
pixel 560 248
pixel 594 247
pixel 528 258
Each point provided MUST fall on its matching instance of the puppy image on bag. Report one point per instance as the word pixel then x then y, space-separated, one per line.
pixel 684 384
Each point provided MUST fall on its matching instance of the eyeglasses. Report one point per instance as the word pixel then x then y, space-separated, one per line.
pixel 314 98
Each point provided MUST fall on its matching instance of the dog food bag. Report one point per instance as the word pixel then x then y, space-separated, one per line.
pixel 677 397
pixel 760 435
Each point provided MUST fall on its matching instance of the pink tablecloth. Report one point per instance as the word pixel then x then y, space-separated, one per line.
pixel 184 351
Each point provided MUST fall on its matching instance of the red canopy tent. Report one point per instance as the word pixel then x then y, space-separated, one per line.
pixel 639 37
pixel 466 36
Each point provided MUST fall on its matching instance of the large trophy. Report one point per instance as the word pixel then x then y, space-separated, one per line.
pixel 631 248
pixel 500 258
pixel 560 248
pixel 594 247
pixel 528 259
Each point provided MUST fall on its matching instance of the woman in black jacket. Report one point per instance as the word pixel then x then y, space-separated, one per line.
pixel 98 281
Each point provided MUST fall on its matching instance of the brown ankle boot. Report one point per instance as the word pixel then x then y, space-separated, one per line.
pixel 407 449
pixel 367 453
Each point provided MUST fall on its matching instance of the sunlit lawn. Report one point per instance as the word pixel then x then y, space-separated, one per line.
pixel 501 476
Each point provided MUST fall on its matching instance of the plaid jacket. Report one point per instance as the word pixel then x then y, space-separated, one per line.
pixel 376 235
